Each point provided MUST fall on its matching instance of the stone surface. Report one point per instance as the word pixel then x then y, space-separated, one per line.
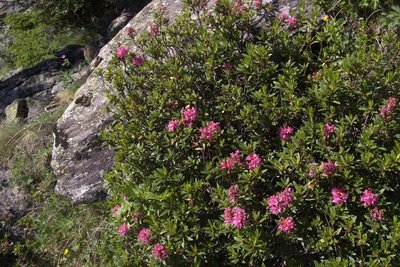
pixel 17 110
pixel 117 24
pixel 40 78
pixel 79 160
pixel 14 202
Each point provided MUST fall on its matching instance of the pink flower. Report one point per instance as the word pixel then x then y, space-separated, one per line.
pixel 329 168
pixel 258 4
pixel 286 224
pixel 239 8
pixel 283 16
pixel 253 161
pixel 239 217
pixel 160 252
pixel 122 51
pixel 202 4
pixel 130 31
pixel 339 195
pixel 279 202
pixel 287 196
pixel 314 169
pixel 236 157
pixel 208 133
pixel 236 217
pixel 286 132
pixel 228 216
pixel 154 29
pixel 145 236
pixel 115 209
pixel 233 193
pixel 123 229
pixel 189 116
pixel 227 164
pixel 226 66
pixel 137 60
pixel 369 198
pixel 329 129
pixel 291 21
pixel 387 109
pixel 376 214
pixel 173 125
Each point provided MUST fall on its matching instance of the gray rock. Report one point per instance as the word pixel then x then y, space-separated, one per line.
pixel 117 24
pixel 58 87
pixel 79 160
pixel 14 201
pixel 17 110
pixel 36 106
pixel 40 78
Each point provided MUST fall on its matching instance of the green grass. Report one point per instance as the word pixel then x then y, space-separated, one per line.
pixel 64 234
pixel 10 135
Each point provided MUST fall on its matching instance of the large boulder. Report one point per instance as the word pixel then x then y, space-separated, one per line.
pixel 79 160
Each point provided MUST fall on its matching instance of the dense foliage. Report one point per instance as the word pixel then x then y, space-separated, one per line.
pixel 37 33
pixel 245 136
pixel 62 13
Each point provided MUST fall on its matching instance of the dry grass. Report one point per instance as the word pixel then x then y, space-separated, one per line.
pixel 10 135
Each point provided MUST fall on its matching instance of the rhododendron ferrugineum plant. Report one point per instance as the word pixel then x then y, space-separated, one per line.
pixel 231 148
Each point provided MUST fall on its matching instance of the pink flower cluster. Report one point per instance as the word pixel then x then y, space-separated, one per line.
pixel 144 236
pixel 253 161
pixel 173 125
pixel 226 66
pixel 229 163
pixel 208 133
pixel 286 132
pixel 122 51
pixel 290 21
pixel 233 193
pixel 369 198
pixel 376 214
pixel 130 31
pixel 339 195
pixel 160 252
pixel 258 4
pixel 239 8
pixel 286 224
pixel 189 116
pixel 329 129
pixel 279 202
pixel 137 60
pixel 236 217
pixel 154 29
pixel 387 109
pixel 116 209
pixel 123 229
pixel 329 168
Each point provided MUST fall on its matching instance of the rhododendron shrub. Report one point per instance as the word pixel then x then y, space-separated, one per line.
pixel 242 140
